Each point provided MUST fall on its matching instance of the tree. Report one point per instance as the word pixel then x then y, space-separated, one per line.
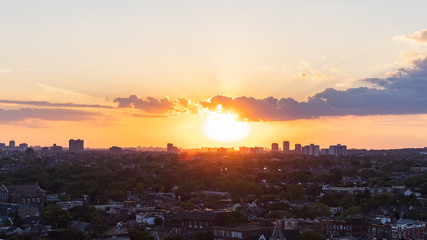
pixel 313 190
pixel 330 199
pixel 278 206
pixel 348 200
pixel 237 218
pixel 295 192
pixel 320 210
pixel 351 211
pixel 55 216
pixel 135 234
pixel 310 235
pixel 414 215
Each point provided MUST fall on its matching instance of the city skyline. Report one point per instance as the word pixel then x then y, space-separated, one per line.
pixel 241 73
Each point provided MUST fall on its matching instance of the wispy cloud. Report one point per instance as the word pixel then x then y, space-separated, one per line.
pixel 50 104
pixel 49 114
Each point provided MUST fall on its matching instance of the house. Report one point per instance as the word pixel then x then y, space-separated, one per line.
pixel 22 194
pixel 251 231
pixel 85 227
pixel 193 221
pixel 408 229
pixel 278 232
pixel 27 211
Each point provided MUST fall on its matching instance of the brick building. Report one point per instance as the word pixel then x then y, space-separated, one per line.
pixel 193 221
pixel 30 194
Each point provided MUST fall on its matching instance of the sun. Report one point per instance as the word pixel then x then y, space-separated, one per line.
pixel 224 127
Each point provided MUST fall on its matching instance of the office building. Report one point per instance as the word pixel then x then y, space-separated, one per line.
pixel 23 146
pixel 286 146
pixel 11 145
pixel 298 148
pixel 76 146
pixel 274 147
pixel 338 150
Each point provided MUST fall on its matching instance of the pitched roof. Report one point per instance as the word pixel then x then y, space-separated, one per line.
pixel 29 190
pixel 277 232
pixel 199 216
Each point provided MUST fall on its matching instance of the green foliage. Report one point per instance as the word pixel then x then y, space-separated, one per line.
pixel 295 192
pixel 348 200
pixel 309 235
pixel 135 234
pixel 268 197
pixel 313 190
pixel 82 213
pixel 351 211
pixel 320 210
pixel 237 218
pixel 277 206
pixel 385 199
pixel 55 216
pixel 330 199
pixel 415 215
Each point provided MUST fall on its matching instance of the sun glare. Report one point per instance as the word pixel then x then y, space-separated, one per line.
pixel 224 127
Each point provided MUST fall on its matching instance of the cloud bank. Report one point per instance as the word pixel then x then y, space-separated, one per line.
pixel 404 92
pixel 154 105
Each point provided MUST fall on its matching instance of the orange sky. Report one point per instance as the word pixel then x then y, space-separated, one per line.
pixel 307 72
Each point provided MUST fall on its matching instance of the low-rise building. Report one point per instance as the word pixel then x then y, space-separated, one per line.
pixel 22 194
pixel 193 221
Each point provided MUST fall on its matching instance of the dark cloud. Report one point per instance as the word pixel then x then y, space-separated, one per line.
pixel 18 115
pixel 49 104
pixel 403 93
pixel 154 105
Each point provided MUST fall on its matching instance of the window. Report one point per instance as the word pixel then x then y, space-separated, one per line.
pixel 236 234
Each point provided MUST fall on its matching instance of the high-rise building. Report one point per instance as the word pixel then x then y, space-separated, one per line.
pixel 23 146
pixel 298 147
pixel 324 151
pixel 338 150
pixel 171 148
pixel 312 150
pixel 306 150
pixel 76 146
pixel 274 147
pixel 11 144
pixel 56 148
pixel 116 150
pixel 2 146
pixel 286 146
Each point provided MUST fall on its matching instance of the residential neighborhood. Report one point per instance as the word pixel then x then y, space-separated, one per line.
pixel 186 195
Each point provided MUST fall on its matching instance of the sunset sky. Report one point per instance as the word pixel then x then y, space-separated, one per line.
pixel 145 73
